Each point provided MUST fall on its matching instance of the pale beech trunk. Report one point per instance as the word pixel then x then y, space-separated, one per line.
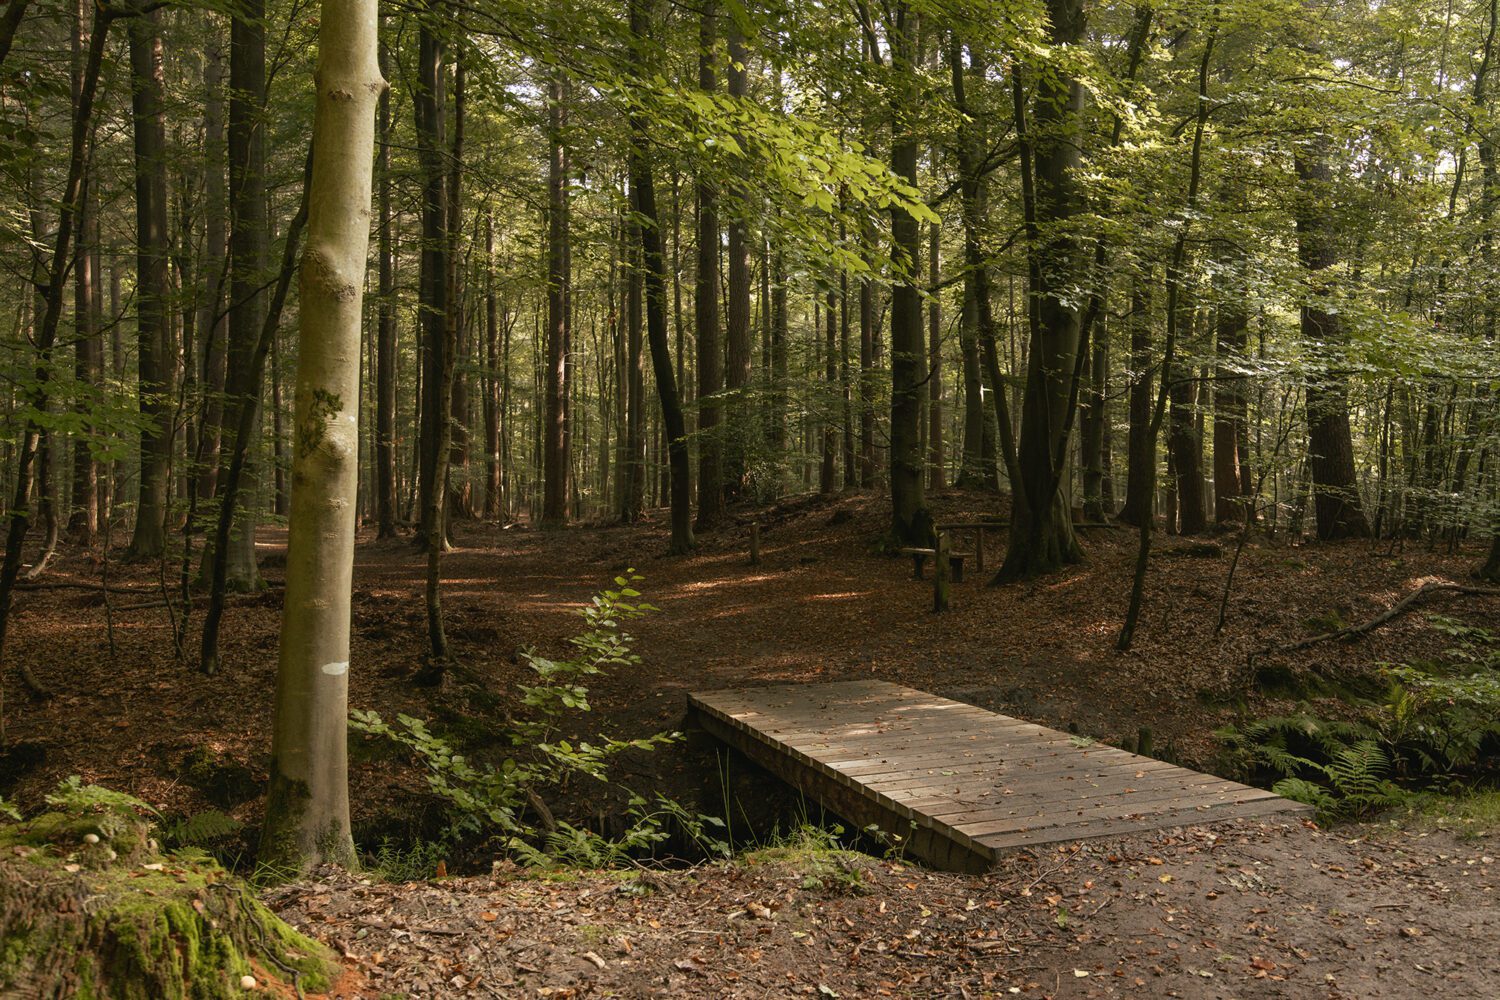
pixel 307 809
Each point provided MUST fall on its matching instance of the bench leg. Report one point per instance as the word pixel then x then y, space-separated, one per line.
pixel 917 562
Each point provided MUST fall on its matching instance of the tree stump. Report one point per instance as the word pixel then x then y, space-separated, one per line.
pixel 90 907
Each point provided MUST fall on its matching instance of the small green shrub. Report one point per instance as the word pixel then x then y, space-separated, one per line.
pixel 392 862
pixel 505 799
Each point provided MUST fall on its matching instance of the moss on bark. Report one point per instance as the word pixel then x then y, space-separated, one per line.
pixel 90 909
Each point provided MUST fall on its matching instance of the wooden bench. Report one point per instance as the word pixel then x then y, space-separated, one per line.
pixel 977 528
pixel 919 559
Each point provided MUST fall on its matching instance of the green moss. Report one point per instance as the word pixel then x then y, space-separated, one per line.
pixel 155 927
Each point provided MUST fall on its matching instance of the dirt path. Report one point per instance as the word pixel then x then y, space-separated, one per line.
pixel 1235 911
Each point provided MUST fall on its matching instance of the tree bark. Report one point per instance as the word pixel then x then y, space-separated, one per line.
pixel 1230 410
pixel 428 106
pixel 88 347
pixel 153 319
pixel 555 456
pixel 307 807
pixel 248 253
pixel 911 524
pixel 706 307
pixel 1041 535
pixel 737 413
pixel 385 331
pixel 1184 446
pixel 213 317
pixel 644 190
pixel 1337 509
pixel 935 458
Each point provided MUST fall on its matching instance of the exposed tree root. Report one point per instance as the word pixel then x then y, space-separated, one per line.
pixel 1351 632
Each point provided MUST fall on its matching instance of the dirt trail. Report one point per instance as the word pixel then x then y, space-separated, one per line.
pixel 1234 911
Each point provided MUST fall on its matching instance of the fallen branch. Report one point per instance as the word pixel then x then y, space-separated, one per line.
pixel 97 588
pixel 1351 632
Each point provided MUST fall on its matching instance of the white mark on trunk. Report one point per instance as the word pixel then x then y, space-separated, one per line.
pixel 334 669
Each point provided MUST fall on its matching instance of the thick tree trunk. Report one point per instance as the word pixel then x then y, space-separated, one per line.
pixel 911 524
pixel 428 104
pixel 494 496
pixel 935 458
pixel 1041 535
pixel 385 332
pixel 644 190
pixel 88 346
pixel 1184 445
pixel 706 307
pixel 153 318
pixel 1230 496
pixel 980 469
pixel 212 315
pixel 1140 451
pixel 633 498
pixel 10 23
pixel 460 501
pixel 737 413
pixel 828 466
pixel 1092 423
pixel 555 456
pixel 307 807
pixel 1336 502
pixel 248 252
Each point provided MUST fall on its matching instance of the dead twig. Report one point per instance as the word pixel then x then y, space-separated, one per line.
pixel 1351 632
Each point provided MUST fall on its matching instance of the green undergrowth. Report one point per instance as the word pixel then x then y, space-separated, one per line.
pixel 497 799
pixel 1428 731
pixel 815 854
pixel 91 907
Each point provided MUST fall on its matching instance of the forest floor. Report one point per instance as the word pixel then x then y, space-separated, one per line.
pixel 823 605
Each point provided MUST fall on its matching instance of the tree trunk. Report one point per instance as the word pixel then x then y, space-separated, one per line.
pixel 706 307
pixel 1337 509
pixel 248 253
pixel 88 348
pixel 1041 535
pixel 911 524
pixel 935 458
pixel 307 807
pixel 1184 446
pixel 737 414
pixel 827 468
pixel 1140 452
pixel 428 105
pixel 644 190
pixel 494 497
pixel 460 502
pixel 212 315
pixel 1230 498
pixel 385 332
pixel 1092 423
pixel 555 456
pixel 153 318
pixel 10 22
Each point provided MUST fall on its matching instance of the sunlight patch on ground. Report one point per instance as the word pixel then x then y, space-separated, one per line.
pixel 848 595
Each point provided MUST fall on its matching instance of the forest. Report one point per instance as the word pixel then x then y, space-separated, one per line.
pixel 437 437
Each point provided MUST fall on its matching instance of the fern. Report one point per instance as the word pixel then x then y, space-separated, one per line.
pixel 75 798
pixel 205 829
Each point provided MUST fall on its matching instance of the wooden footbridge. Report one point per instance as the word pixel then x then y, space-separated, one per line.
pixel 959 784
